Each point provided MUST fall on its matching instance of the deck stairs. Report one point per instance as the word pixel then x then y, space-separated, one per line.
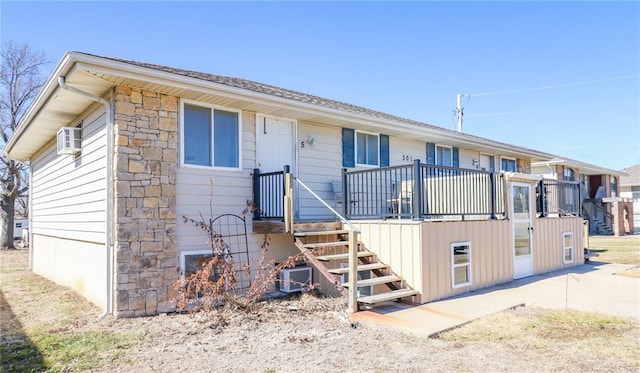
pixel 328 252
pixel 602 227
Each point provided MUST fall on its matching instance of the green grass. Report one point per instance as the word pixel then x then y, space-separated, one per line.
pixel 63 352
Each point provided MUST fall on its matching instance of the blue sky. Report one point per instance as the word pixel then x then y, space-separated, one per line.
pixel 561 77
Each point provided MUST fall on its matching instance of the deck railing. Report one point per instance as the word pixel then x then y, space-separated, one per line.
pixel 268 194
pixel 420 191
pixel 558 198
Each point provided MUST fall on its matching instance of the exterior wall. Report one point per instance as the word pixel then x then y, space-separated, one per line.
pixel 547 242
pixel 399 244
pixel 491 255
pixel 69 192
pixel 69 212
pixel 81 266
pixel 145 161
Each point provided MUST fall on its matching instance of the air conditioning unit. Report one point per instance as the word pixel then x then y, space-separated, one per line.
pixel 295 279
pixel 69 140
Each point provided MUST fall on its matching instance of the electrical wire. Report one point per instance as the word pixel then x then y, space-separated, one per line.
pixel 555 86
pixel 551 109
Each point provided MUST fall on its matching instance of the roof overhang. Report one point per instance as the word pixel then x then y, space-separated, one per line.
pixel 584 168
pixel 54 107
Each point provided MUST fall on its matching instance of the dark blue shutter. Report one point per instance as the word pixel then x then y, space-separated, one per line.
pixel 384 151
pixel 348 148
pixel 456 157
pixel 431 153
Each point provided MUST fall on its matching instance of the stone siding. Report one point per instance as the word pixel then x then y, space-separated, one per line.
pixel 146 161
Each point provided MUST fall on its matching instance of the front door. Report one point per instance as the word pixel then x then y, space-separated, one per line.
pixel 275 144
pixel 522 230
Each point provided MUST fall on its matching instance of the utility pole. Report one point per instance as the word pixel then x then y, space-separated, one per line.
pixel 459 112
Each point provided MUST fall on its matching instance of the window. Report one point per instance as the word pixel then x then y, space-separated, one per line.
pixel 508 164
pixel 487 162
pixel 367 147
pixel 461 264
pixel 210 137
pixel 567 247
pixel 444 156
pixel 569 174
pixel 191 261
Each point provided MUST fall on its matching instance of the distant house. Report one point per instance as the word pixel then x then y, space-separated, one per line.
pixel 383 207
pixel 630 189
pixel 600 199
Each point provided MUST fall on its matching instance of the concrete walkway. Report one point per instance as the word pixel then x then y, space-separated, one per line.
pixel 593 286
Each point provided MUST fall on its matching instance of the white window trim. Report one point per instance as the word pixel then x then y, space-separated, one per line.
pixel 451 152
pixel 454 266
pixel 356 149
pixel 212 107
pixel 185 253
pixel 487 155
pixel 511 159
pixel 564 248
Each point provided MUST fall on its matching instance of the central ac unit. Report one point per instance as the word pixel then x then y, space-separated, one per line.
pixel 69 140
pixel 295 279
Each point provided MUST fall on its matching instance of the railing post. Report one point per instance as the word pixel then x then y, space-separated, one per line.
pixel 416 193
pixel 494 193
pixel 288 200
pixel 256 194
pixel 353 271
pixel 345 192
pixel 543 199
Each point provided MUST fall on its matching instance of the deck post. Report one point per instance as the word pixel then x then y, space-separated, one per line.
pixel 353 271
pixel 542 199
pixel 288 201
pixel 492 182
pixel 416 193
pixel 345 192
pixel 256 194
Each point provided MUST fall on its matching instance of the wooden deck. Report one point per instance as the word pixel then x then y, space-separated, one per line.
pixel 277 226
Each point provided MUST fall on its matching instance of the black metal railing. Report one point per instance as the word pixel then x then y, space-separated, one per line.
pixel 268 194
pixel 422 192
pixel 558 197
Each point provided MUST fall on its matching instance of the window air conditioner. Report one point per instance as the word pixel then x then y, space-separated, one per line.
pixel 69 140
pixel 294 279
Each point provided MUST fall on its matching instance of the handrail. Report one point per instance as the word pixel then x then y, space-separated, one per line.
pixel 336 213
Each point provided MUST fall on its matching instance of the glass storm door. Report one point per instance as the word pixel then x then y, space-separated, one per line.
pixel 522 230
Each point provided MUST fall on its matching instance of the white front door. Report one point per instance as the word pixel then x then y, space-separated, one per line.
pixel 275 144
pixel 521 214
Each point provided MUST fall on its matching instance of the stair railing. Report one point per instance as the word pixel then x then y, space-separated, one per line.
pixel 353 235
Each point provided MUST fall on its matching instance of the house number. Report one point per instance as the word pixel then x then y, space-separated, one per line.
pixel 302 144
pixel 407 158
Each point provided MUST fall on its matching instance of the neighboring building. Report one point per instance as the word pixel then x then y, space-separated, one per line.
pixel 120 151
pixel 20 224
pixel 630 189
pixel 601 203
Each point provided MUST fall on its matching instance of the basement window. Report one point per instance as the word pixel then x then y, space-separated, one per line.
pixel 567 247
pixel 461 264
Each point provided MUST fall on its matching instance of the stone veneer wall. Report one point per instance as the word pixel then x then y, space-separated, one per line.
pixel 145 161
pixel 523 166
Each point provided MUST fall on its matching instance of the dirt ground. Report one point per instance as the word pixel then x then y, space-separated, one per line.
pixel 302 334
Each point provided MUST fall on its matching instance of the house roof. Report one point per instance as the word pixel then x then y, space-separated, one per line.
pixel 55 107
pixel 632 178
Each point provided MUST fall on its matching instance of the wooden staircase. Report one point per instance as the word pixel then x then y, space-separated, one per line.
pixel 328 252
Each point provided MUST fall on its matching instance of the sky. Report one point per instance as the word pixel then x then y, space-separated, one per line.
pixel 559 77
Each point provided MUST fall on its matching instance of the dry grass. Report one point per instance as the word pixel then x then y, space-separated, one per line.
pixel 621 250
pixel 48 327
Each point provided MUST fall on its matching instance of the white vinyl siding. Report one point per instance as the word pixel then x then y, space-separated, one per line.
pixel 69 192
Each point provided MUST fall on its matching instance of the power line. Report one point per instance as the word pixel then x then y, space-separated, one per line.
pixel 556 86
pixel 551 109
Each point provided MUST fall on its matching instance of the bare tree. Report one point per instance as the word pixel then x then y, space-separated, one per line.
pixel 20 81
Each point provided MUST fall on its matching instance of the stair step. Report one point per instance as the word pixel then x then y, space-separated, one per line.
pixel 390 295
pixel 363 267
pixel 375 281
pixel 326 244
pixel 361 254
pixel 319 233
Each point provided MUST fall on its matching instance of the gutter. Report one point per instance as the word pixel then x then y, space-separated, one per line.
pixel 108 249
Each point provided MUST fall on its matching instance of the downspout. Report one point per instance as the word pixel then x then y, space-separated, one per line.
pixel 108 219
pixel 30 227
